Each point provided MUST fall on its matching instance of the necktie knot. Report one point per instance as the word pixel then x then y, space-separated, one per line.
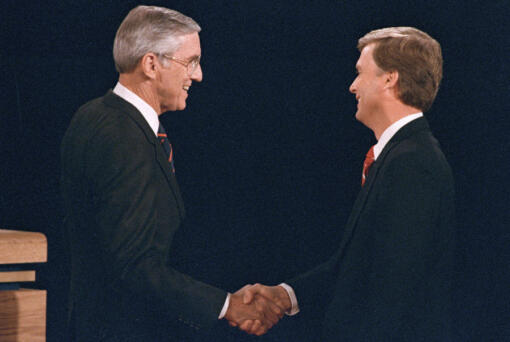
pixel 369 159
pixel 163 139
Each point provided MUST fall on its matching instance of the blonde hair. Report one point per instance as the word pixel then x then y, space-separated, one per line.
pixel 416 57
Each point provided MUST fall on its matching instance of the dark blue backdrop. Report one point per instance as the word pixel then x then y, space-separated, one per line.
pixel 268 154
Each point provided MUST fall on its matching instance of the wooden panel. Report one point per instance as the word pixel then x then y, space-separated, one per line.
pixel 23 315
pixel 22 247
pixel 16 276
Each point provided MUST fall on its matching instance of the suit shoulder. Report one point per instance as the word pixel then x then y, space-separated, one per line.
pixel 421 151
pixel 97 110
pixel 97 117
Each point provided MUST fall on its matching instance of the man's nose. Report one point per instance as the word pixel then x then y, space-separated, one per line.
pixel 197 74
pixel 352 87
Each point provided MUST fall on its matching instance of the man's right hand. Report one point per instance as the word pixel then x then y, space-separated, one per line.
pixel 254 317
pixel 276 294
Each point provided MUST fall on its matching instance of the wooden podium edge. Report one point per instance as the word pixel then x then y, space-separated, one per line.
pixel 21 247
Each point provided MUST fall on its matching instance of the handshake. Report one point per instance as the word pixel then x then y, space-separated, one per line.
pixel 256 308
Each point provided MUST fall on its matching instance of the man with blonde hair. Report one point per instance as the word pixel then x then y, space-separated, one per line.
pixel 123 204
pixel 390 278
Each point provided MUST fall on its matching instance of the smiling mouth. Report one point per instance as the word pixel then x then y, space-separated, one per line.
pixel 186 88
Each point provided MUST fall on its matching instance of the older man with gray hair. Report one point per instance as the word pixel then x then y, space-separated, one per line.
pixel 122 200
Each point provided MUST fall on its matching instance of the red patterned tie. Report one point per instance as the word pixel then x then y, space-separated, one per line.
pixel 163 139
pixel 369 159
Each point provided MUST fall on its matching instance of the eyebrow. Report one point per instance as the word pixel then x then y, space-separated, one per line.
pixel 189 59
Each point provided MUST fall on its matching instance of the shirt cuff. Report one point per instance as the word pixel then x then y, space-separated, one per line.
pixel 293 300
pixel 225 307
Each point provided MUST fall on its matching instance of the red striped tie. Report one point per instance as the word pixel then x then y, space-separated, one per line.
pixel 163 139
pixel 369 159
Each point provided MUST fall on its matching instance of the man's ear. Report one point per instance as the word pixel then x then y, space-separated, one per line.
pixel 391 80
pixel 149 64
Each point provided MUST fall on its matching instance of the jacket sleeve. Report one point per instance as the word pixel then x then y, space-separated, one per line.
pixel 313 287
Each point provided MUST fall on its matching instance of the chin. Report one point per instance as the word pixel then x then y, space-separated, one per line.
pixel 358 116
pixel 180 104
pixel 174 107
pixel 361 118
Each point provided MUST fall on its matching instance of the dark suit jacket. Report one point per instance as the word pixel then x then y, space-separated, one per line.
pixel 123 207
pixel 390 278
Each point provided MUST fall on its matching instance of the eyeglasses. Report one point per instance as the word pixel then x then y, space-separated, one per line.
pixel 191 65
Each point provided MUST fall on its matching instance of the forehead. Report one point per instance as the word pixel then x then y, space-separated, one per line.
pixel 366 57
pixel 190 46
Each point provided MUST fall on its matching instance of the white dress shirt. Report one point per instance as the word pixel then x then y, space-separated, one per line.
pixel 391 131
pixel 143 107
pixel 152 119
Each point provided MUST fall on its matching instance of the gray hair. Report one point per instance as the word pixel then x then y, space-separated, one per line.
pixel 149 29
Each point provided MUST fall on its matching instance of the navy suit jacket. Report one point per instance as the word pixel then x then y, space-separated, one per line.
pixel 123 207
pixel 390 278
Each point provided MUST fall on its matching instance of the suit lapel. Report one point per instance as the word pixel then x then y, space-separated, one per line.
pixel 170 176
pixel 404 133
pixel 113 100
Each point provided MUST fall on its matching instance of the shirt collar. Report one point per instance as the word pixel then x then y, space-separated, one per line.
pixel 392 130
pixel 143 107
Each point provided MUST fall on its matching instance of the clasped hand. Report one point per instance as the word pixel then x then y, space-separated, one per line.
pixel 257 308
